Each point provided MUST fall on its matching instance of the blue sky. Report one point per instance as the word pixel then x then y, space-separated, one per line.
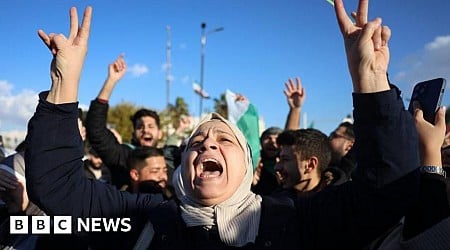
pixel 264 42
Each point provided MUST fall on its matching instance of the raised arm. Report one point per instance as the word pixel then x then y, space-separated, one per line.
pixel 112 152
pixel 432 209
pixel 68 57
pixel 55 181
pixel 116 71
pixel 366 46
pixel 295 95
pixel 385 137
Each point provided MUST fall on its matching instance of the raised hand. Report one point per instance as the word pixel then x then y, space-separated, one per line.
pixel 295 93
pixel 68 57
pixel 366 45
pixel 117 69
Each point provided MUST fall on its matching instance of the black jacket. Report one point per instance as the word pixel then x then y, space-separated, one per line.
pixel 114 154
pixel 348 216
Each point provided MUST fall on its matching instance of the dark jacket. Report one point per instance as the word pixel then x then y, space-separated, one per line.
pixel 114 154
pixel 426 225
pixel 348 216
pixel 268 182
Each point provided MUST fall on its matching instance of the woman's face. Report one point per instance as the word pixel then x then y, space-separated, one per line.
pixel 213 164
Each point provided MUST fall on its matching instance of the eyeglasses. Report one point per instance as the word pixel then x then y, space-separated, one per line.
pixel 335 135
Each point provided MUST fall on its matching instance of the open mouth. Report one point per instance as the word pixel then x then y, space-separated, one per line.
pixel 210 168
pixel 148 139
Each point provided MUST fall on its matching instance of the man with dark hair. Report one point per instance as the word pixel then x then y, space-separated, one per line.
pixel 265 180
pixel 146 131
pixel 95 169
pixel 304 155
pixel 342 156
pixel 148 171
pixel 146 126
pixel 341 141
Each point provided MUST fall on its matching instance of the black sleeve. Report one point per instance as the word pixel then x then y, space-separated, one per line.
pixel 55 180
pixel 385 182
pixel 431 208
pixel 114 155
pixel 386 140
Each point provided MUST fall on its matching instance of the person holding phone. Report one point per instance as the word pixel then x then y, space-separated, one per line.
pixel 427 223
pixel 215 208
pixel 427 94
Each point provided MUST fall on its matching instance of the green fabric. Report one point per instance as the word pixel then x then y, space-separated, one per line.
pixel 248 123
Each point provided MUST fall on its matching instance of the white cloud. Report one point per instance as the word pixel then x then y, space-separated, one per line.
pixel 138 70
pixel 439 42
pixel 15 109
pixel 431 62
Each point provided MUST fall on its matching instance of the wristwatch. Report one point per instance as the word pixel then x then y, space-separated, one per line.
pixel 433 170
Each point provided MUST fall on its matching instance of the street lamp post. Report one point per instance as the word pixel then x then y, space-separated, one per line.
pixel 202 59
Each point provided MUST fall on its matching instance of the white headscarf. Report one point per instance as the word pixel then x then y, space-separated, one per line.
pixel 237 218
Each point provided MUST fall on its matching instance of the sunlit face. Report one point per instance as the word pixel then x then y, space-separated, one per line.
pixel 214 163
pixel 146 132
pixel 340 143
pixel 289 167
pixel 153 169
pixel 269 145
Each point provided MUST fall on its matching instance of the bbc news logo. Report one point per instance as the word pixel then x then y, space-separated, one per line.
pixel 63 225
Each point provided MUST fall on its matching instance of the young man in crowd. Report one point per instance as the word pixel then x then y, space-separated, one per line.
pixel 343 160
pixel 304 155
pixel 148 171
pixel 146 131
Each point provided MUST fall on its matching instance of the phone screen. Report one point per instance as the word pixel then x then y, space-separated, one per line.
pixel 429 95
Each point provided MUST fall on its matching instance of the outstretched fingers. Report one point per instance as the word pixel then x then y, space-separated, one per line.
pixel 345 24
pixel 289 86
pixel 73 23
pixel 47 39
pixel 84 30
pixel 298 82
pixel 361 15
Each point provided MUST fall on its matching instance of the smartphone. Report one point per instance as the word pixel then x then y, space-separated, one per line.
pixel 429 95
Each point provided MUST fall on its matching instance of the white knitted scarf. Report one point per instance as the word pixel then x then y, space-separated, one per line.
pixel 237 218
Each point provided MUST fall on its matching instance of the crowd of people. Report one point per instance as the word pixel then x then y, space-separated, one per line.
pixel 376 183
